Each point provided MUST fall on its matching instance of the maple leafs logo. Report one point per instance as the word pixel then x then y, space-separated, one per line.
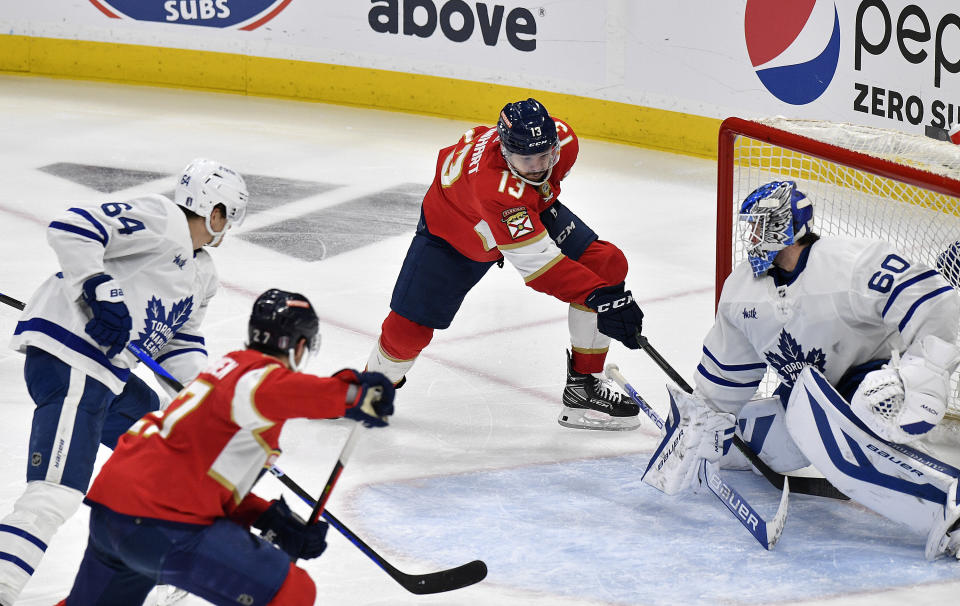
pixel 160 326
pixel 791 360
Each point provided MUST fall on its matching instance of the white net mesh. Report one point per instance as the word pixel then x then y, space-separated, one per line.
pixel 851 197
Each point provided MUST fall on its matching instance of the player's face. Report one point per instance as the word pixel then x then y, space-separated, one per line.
pixel 534 166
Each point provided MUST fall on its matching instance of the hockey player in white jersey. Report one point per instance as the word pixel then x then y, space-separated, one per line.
pixel 132 272
pixel 862 339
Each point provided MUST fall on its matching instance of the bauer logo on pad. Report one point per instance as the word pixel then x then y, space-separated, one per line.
pixel 245 15
pixel 518 221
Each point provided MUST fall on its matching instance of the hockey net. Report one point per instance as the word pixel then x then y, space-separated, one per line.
pixel 865 182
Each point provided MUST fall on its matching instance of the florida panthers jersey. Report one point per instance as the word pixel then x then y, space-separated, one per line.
pixel 198 459
pixel 848 303
pixel 145 245
pixel 478 206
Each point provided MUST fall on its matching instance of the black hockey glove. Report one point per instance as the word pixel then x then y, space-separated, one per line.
pixel 618 315
pixel 282 527
pixel 370 399
pixel 111 324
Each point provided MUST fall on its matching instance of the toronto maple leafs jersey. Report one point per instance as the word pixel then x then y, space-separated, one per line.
pixel 847 303
pixel 145 245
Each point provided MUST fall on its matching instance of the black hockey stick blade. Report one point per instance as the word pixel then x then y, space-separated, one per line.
pixel 818 487
pixel 420 584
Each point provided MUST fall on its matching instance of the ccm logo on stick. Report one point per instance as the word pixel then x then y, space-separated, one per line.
pixel 457 21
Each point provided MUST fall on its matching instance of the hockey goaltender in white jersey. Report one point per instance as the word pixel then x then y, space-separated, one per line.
pixel 131 272
pixel 863 341
pixel 145 245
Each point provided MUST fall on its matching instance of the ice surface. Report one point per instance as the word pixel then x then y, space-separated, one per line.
pixel 474 464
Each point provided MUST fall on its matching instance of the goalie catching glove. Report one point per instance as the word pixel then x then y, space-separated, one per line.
pixel 694 432
pixel 370 398
pixel 908 397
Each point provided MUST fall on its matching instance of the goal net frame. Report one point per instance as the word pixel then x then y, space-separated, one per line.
pixel 920 171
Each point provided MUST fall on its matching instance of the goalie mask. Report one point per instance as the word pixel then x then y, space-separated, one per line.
pixel 773 217
pixel 528 141
pixel 205 184
pixel 277 323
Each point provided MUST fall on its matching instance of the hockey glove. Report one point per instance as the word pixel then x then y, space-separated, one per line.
pixel 111 324
pixel 618 315
pixel 908 397
pixel 282 527
pixel 370 398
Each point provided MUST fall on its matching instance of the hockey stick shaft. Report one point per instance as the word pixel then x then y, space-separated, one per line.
pixel 613 372
pixel 433 582
pixel 819 487
pixel 345 453
pixel 144 357
pixel 766 533
pixel 11 302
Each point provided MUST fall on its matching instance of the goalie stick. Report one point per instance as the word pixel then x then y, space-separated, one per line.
pixel 766 533
pixel 421 584
pixel 818 487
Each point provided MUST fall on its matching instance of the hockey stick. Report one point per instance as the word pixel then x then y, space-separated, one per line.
pixel 431 582
pixel 345 453
pixel 767 534
pixel 144 357
pixel 819 487
pixel 434 582
pixel 11 302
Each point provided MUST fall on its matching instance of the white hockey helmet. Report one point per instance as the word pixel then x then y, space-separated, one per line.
pixel 206 183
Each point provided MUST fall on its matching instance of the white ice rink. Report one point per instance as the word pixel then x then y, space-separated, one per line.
pixel 474 464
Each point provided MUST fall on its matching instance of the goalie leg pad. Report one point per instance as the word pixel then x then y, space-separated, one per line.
pixel 761 424
pixel 894 480
pixel 694 431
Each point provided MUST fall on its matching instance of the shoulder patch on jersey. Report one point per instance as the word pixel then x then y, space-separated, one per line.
pixel 518 221
pixel 791 360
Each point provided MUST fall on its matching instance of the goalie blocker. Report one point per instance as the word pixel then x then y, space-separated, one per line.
pixel 894 480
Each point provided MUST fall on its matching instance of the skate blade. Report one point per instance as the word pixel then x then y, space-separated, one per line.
pixel 584 418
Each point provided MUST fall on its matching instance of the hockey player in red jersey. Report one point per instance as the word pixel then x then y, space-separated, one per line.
pixel 173 505
pixel 494 197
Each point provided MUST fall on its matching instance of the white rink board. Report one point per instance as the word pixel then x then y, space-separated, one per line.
pixel 689 56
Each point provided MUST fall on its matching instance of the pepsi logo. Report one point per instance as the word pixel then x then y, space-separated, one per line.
pixel 245 15
pixel 793 46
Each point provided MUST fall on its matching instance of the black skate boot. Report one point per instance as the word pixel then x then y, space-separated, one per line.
pixel 591 403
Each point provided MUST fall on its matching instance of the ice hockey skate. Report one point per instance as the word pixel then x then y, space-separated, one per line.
pixel 590 402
